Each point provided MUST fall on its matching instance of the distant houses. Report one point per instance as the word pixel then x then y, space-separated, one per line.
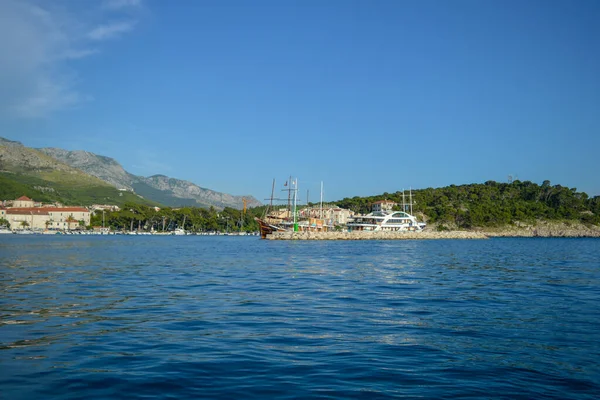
pixel 383 205
pixel 103 207
pixel 332 215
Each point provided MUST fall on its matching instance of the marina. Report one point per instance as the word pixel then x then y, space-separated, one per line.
pixel 386 216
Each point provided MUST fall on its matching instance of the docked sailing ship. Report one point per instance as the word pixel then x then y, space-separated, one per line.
pixel 288 218
pixel 270 223
pixel 384 218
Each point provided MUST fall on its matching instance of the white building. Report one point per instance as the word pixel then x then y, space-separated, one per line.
pixel 383 205
pixel 39 218
pixel 104 207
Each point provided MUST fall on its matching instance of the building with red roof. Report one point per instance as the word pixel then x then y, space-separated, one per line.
pixel 23 202
pixel 40 218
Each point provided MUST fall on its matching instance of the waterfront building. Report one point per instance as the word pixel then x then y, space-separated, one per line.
pixel 26 216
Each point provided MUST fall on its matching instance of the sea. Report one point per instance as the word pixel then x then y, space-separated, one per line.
pixel 224 317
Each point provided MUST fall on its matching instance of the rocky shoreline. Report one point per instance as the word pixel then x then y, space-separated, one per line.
pixel 542 229
pixel 543 233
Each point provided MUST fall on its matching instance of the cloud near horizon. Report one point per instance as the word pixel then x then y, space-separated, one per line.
pixel 110 31
pixel 40 44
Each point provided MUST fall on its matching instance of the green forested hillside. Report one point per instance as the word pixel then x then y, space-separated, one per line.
pixel 492 204
pixel 66 191
pixel 29 172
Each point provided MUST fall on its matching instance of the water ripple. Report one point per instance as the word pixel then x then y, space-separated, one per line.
pixel 190 317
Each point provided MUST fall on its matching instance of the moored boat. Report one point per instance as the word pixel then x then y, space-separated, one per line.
pixel 383 217
pixel 24 232
pixel 385 221
pixel 267 228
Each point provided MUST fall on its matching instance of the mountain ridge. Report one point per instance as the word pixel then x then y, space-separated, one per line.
pixel 27 171
pixel 159 188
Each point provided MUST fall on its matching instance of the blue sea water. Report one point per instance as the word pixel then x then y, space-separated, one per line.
pixel 124 317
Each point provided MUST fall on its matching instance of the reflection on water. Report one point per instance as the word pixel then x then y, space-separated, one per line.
pixel 128 317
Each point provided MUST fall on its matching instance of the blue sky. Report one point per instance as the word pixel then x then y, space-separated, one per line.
pixel 368 97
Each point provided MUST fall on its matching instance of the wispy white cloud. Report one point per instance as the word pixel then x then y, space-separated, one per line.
pixel 49 95
pixel 110 31
pixel 81 53
pixel 39 45
pixel 119 4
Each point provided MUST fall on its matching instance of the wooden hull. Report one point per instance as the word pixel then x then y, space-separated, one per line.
pixel 266 228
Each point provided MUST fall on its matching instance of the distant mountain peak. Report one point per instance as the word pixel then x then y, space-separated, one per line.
pixel 159 188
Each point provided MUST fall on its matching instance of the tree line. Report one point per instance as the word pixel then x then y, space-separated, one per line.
pixel 133 216
pixel 491 204
pixel 464 206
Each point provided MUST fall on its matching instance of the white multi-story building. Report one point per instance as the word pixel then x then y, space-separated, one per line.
pixel 38 218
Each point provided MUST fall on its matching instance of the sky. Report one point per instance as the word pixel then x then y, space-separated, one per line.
pixel 365 96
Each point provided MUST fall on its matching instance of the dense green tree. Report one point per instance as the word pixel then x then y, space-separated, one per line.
pixel 492 203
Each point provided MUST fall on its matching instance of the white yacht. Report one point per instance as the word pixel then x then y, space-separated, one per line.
pixel 384 218
pixel 385 221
